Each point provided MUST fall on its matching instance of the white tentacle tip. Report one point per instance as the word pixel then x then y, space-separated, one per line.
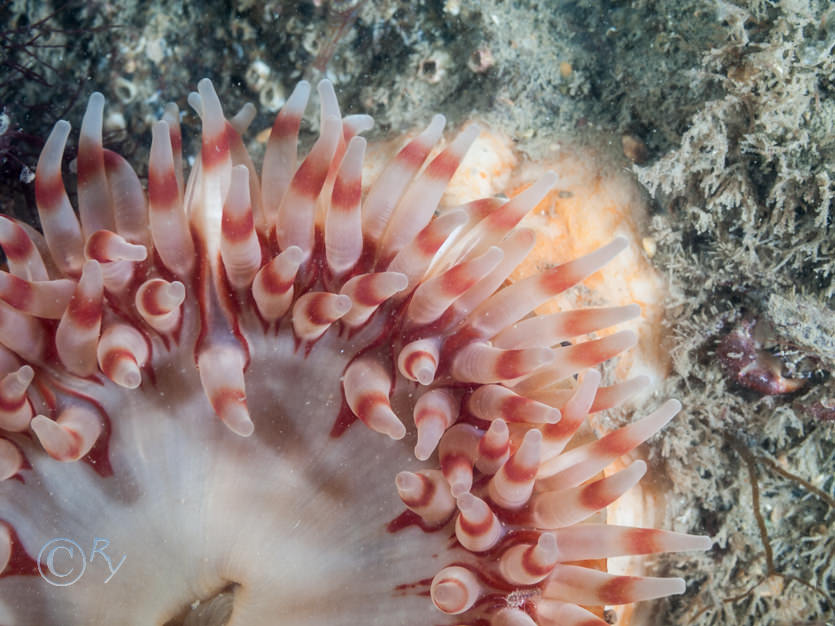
pixel 618 244
pixel 701 542
pixel 675 586
pixel 394 428
pixel 237 419
pixel 670 407
pixel 127 374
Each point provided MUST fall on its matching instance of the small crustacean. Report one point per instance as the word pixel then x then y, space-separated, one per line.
pixel 743 357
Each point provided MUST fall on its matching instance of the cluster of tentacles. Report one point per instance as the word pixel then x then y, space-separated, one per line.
pixel 437 337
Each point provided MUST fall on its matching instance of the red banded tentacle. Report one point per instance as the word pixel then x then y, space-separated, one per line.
pixel 512 485
pixel 273 288
pixel 116 256
pixel 69 437
pixel 159 302
pixel 457 452
pixel 208 183
pixel 614 395
pixel 574 412
pixel 368 292
pixel 436 295
pixel 240 123
pixel 582 585
pixel 427 494
pixel 557 327
pixel 476 527
pixel 515 247
pixel 315 312
pixel 414 211
pixel 414 259
pixel 45 298
pixel 240 157
pixel 512 303
pixel 130 213
pixel 478 210
pixel 354 124
pixel 599 541
pixel 571 468
pixel 435 411
pixel 171 116
pixel 418 360
pixel 605 398
pixel 390 185
pixel 493 401
pixel 493 447
pixel 60 225
pixel 455 590
pixel 563 507
pixel 572 359
pixel 15 406
pixel 343 220
pixel 121 353
pixel 329 108
pixel 239 246
pixel 221 367
pixel 529 563
pixel 367 386
pixel 106 246
pixel 168 222
pixel 296 214
pixel 280 156
pixel 499 222
pixel 95 203
pixel 11 462
pixel 22 256
pixel 481 363
pixel 22 334
pixel 78 331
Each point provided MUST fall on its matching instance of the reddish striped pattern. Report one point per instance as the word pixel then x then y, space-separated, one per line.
pixel 234 277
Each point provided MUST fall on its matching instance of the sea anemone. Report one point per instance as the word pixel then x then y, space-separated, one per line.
pixel 182 377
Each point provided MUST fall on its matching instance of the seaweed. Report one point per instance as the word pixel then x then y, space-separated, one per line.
pixel 744 231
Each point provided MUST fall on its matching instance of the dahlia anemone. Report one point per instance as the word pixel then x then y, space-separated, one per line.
pixel 181 379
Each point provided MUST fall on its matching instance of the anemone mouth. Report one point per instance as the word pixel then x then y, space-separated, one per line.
pixel 298 399
pixel 214 610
